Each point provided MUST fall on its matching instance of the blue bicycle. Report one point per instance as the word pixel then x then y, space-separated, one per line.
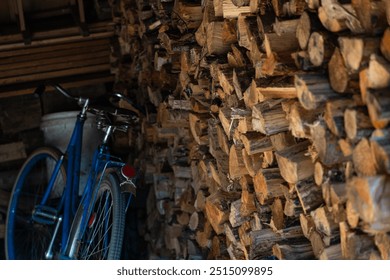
pixel 48 219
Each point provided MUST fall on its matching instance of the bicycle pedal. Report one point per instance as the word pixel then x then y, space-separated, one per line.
pixel 45 215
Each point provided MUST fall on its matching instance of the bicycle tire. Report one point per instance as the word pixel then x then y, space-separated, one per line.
pixel 103 236
pixel 26 238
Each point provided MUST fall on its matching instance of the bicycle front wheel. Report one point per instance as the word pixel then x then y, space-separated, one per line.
pixel 103 236
pixel 28 233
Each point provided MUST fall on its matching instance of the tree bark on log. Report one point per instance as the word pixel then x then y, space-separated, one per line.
pixel 313 90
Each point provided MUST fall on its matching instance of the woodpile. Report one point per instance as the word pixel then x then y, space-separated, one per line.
pixel 267 125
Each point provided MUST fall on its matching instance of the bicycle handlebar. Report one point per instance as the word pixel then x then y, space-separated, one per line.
pixel 113 109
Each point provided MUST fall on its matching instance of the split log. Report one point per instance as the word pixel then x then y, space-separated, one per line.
pixel 324 222
pixel 370 197
pixel 220 35
pixel 356 51
pixel 247 197
pixel 339 77
pixel 241 81
pixel 317 243
pixel 363 159
pixel 382 242
pixel 236 219
pixel 187 16
pixel 326 144
pixel 385 44
pixel 337 199
pixel 283 42
pixel 300 119
pixel 309 195
pixel 237 58
pixel 334 115
pixel 320 48
pixel 338 17
pixel 308 23
pixel 199 128
pixel 355 246
pixel 223 140
pixel 228 124
pixel 269 118
pixel 204 235
pixel 371 15
pixel 249 36
pixel 247 30
pixel 236 163
pixel 200 200
pixel 295 7
pixel 381 151
pixel 268 88
pixel 378 107
pixel 345 147
pixel 387 10
pixel 378 72
pixel 267 184
pixel 217 208
pixel 313 90
pixel 357 123
pixel 307 225
pixel 253 163
pixel 218 250
pixel 294 164
pixel 240 3
pixel 231 10
pixel 263 240
pixel 332 252
pixel 255 142
pixel 293 252
pixel 282 140
pixel 292 207
pixel 302 61
pixel 352 215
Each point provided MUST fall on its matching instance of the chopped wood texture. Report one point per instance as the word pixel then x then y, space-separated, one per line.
pixel 313 90
pixel 369 197
pixel 217 206
pixel 267 184
pixel 294 163
pixel 281 118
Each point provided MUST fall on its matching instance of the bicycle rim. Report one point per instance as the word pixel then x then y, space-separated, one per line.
pixel 103 235
pixel 28 238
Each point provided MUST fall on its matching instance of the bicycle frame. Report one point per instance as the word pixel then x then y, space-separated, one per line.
pixel 70 198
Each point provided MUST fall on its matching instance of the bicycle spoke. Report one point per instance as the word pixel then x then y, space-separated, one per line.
pixel 98 230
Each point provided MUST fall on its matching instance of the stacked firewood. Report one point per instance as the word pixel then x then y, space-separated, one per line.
pixel 269 133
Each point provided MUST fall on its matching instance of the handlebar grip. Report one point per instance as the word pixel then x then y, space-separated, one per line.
pixel 42 87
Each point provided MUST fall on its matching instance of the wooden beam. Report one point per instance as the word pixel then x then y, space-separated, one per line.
pixel 14 54
pixel 51 41
pixel 104 77
pixel 56 63
pixel 56 74
pixel 12 151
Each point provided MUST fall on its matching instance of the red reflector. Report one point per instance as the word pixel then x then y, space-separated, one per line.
pixel 128 171
pixel 92 219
